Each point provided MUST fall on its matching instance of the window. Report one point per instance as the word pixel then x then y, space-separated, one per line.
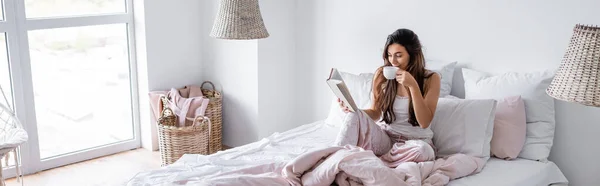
pixel 69 64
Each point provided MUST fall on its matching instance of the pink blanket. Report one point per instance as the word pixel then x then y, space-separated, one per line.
pixel 405 164
pixel 351 165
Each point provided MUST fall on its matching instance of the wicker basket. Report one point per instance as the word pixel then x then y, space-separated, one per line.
pixel 204 139
pixel 214 112
pixel 174 142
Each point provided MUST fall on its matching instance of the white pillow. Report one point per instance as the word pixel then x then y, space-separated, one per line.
pixel 446 71
pixel 539 107
pixel 463 126
pixel 360 87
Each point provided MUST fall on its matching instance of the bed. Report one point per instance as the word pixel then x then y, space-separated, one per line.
pixel 464 126
pixel 282 147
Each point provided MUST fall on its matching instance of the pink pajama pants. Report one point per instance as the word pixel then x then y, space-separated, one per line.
pixel 393 149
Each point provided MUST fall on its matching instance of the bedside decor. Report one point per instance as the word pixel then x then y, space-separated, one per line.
pixel 174 142
pixel 239 20
pixel 215 113
pixel 202 135
pixel 578 78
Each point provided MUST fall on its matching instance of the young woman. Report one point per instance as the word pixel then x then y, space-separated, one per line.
pixel 403 106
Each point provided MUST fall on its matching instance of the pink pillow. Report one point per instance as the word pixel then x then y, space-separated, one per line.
pixel 509 128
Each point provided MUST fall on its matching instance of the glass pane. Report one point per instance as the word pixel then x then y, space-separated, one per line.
pixel 5 72
pixel 6 87
pixel 66 8
pixel 81 87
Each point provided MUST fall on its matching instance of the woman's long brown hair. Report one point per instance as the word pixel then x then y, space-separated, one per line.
pixel 386 90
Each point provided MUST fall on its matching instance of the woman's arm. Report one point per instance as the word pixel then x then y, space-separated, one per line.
pixel 424 107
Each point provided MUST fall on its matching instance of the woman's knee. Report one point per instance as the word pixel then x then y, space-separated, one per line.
pixel 351 118
pixel 425 151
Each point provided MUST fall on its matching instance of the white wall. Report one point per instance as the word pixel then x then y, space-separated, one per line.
pixel 168 52
pixel 257 77
pixel 173 43
pixel 491 36
pixel 276 68
pixel 309 19
pixel 232 66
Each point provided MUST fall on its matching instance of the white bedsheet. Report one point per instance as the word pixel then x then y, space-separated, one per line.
pixel 516 172
pixel 283 147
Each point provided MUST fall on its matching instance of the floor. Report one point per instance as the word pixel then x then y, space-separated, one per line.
pixel 105 171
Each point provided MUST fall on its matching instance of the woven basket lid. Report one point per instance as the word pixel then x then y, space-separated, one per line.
pixel 239 20
pixel 578 78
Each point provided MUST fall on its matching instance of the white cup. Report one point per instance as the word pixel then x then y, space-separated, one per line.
pixel 389 72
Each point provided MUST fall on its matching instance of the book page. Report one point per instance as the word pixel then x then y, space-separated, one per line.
pixel 340 90
pixel 349 100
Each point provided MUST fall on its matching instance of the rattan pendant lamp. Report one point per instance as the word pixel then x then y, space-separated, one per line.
pixel 578 78
pixel 239 20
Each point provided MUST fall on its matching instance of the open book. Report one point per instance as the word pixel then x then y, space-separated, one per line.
pixel 340 90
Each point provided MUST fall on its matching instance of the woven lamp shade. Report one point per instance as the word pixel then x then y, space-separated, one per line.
pixel 239 20
pixel 578 78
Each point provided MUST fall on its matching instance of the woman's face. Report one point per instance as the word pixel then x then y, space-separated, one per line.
pixel 398 56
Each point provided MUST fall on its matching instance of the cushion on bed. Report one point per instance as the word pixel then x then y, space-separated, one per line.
pixel 463 126
pixel 446 72
pixel 509 128
pixel 539 106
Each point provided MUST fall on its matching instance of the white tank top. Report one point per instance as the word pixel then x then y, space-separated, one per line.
pixel 402 127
